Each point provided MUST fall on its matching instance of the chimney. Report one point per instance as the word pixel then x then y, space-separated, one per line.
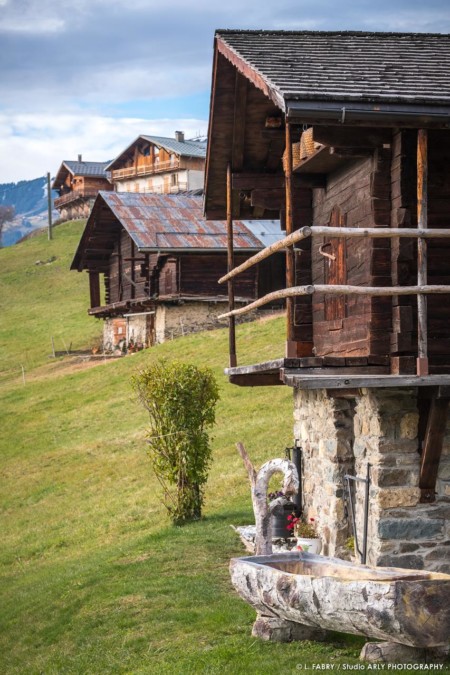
pixel 179 136
pixel 80 159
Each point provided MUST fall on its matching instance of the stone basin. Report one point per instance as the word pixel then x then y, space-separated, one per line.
pixel 410 607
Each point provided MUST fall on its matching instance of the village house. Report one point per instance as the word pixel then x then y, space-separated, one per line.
pixel 345 136
pixel 78 184
pixel 160 262
pixel 161 165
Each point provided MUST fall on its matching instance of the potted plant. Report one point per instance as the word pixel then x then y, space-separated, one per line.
pixel 305 531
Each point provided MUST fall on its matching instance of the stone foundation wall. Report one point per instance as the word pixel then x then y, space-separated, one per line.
pixel 379 427
pixel 172 321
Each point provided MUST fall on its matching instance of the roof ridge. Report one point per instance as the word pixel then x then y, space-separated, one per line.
pixel 255 31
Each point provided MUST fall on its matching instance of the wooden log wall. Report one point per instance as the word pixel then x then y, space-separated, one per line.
pixel 361 192
pixel 199 275
pixel 404 252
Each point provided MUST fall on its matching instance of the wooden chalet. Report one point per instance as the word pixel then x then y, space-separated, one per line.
pixel 160 262
pixel 78 184
pixel 346 137
pixel 159 164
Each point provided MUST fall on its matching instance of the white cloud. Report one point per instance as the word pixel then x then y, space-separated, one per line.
pixel 46 140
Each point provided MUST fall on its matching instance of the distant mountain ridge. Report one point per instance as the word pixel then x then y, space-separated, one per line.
pixel 29 198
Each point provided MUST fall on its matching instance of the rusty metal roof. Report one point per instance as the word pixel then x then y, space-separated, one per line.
pixel 157 222
pixel 165 223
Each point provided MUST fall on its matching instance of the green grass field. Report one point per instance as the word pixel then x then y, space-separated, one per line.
pixel 93 577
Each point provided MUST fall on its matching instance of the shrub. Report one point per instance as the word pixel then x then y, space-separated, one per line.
pixel 181 401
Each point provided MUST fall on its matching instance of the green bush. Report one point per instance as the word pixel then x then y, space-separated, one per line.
pixel 181 401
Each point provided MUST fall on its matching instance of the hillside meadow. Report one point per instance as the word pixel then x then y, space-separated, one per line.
pixel 94 579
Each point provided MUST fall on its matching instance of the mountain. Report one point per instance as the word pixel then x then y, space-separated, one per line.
pixel 29 198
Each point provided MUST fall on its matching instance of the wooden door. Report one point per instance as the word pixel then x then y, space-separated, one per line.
pixel 335 252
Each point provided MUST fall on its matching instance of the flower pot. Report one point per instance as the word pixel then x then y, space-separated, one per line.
pixel 309 545
pixel 280 521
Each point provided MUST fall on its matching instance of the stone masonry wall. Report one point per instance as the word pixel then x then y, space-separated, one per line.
pixel 379 426
pixel 173 320
pixel 324 427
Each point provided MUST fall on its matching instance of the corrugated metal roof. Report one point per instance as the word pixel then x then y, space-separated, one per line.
pixel 158 222
pixel 361 66
pixel 184 149
pixel 267 231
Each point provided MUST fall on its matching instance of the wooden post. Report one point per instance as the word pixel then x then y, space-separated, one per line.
pixel 422 223
pixel 230 265
pixel 49 207
pixel 290 255
pixel 432 447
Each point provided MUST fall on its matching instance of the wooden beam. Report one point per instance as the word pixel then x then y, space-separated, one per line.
pixel 343 137
pixel 268 199
pixel 256 380
pixel 230 265
pixel 294 291
pixel 268 251
pixel 273 181
pixel 422 224
pixel 432 447
pixel 94 288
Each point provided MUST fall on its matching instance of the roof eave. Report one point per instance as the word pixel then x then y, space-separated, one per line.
pixel 170 251
pixel 251 73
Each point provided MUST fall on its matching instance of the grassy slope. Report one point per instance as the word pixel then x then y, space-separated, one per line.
pixel 93 578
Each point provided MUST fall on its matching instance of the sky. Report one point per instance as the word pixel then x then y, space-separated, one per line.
pixel 88 76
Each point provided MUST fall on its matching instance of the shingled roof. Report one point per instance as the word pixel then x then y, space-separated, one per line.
pixel 79 169
pixel 345 66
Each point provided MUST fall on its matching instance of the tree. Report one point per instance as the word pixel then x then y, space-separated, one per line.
pixel 181 400
pixel 7 214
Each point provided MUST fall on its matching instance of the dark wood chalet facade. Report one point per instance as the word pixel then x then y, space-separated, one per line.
pixel 78 183
pixel 351 163
pixel 345 136
pixel 161 260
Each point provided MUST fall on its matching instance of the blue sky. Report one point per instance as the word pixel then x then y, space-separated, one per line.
pixel 88 76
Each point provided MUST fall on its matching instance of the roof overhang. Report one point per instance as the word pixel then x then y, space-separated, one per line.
pixel 347 112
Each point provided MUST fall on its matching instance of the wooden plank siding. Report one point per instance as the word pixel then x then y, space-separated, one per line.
pixel 357 326
pixel 404 252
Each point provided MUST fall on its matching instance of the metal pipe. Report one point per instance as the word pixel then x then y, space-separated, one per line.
pixel 362 553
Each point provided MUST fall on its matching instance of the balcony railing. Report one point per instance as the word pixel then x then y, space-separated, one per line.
pixel 145 169
pixel 73 196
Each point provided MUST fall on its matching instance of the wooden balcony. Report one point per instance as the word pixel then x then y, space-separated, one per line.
pixel 73 196
pixel 145 169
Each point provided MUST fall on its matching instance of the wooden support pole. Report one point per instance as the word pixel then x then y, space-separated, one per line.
pixel 290 255
pixel 422 224
pixel 230 265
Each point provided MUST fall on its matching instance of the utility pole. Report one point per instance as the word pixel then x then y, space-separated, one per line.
pixel 49 203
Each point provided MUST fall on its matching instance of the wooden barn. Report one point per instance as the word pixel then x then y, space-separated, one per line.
pixel 160 262
pixel 346 137
pixel 78 184
pixel 159 164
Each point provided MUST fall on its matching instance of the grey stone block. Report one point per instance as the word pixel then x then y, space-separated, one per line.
pixel 415 528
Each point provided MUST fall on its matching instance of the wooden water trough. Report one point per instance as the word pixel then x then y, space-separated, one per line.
pixel 410 607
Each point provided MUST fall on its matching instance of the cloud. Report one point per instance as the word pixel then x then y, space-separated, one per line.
pixel 45 141
pixel 65 68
